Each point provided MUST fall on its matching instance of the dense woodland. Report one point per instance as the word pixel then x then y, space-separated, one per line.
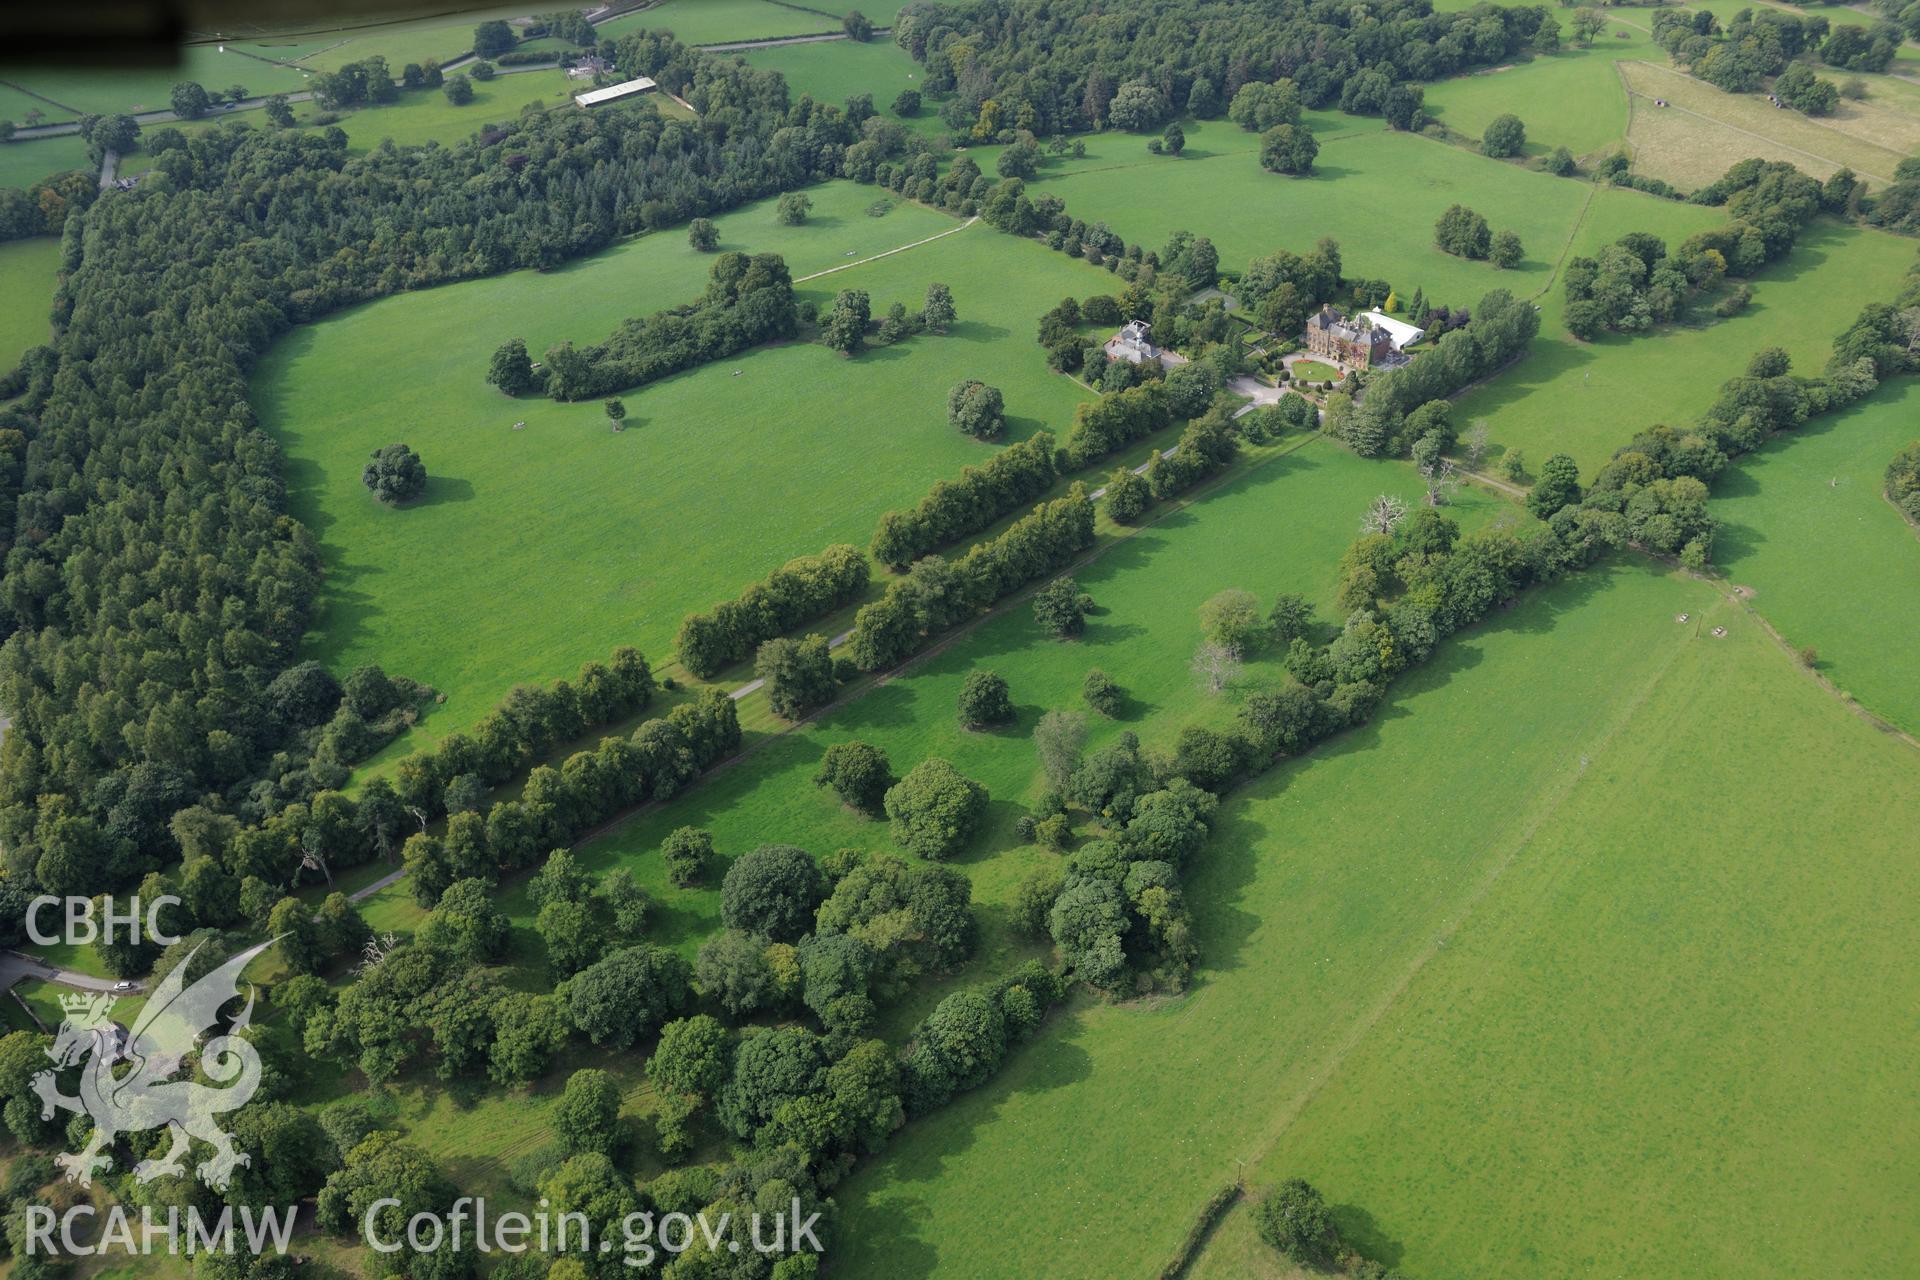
pixel 154 587
pixel 1049 66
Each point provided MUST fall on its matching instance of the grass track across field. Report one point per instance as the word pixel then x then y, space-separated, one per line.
pixel 1672 978
pixel 1330 880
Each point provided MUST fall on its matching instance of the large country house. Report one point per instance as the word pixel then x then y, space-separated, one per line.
pixel 1359 342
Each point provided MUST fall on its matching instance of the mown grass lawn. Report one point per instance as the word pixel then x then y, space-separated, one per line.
pixel 44 999
pixel 78 958
pixel 1313 371
pixel 1803 523
pixel 27 270
pixel 537 549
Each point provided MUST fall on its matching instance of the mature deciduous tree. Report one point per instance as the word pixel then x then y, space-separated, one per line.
pixel 798 674
pixel 688 852
pixel 845 329
pixel 626 996
pixel 772 890
pixel 395 474
pixel 1505 136
pixel 1289 149
pixel 858 773
pixel 984 700
pixel 976 409
pixel 587 1116
pixel 935 809
pixel 792 208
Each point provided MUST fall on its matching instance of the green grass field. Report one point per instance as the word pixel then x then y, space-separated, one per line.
pixel 44 999
pixel 15 104
pixel 1674 1007
pixel 1515 766
pixel 1831 563
pixel 1572 99
pixel 441 36
pixel 1307 502
pixel 423 116
pixel 475 1136
pixel 1148 586
pixel 1588 399
pixel 724 21
pixel 836 70
pixel 574 540
pixel 427 116
pixel 104 91
pixel 276 46
pixel 27 269
pixel 1375 191
pixel 1588 956
pixel 718 21
pixel 79 959
pixel 417 117
pixel 1320 882
pixel 23 163
pixel 880 12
